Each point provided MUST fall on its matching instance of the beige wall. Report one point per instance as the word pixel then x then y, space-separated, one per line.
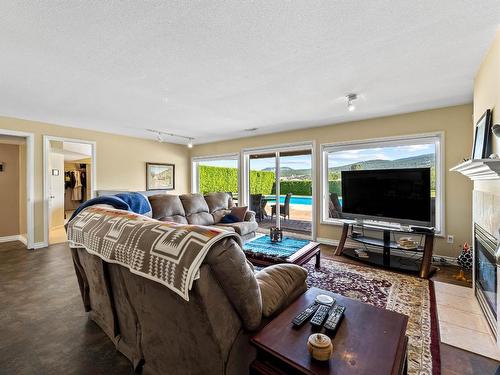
pixel 9 186
pixel 121 161
pixel 487 95
pixel 487 87
pixel 454 121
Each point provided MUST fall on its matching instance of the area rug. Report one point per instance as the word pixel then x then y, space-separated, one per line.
pixel 404 294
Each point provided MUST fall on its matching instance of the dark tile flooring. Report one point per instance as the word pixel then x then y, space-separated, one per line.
pixel 44 330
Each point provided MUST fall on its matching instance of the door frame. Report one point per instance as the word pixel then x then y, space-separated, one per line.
pixel 46 176
pixel 245 173
pixel 30 189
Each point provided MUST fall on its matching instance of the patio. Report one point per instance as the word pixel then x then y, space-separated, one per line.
pixel 299 222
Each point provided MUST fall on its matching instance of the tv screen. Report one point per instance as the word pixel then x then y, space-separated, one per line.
pixel 401 195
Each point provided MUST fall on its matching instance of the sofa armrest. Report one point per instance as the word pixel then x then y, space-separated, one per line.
pixel 250 216
pixel 280 285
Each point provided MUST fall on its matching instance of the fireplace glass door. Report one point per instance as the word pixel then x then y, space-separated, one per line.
pixel 486 275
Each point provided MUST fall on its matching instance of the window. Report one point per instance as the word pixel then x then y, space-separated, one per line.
pixel 217 173
pixel 386 153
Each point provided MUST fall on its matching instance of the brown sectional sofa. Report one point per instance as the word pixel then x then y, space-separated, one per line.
pixel 201 210
pixel 163 333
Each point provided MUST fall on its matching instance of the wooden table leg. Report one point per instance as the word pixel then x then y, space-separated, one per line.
pixel 425 267
pixel 343 239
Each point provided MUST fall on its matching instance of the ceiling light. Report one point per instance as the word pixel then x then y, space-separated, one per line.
pixel 160 135
pixel 350 99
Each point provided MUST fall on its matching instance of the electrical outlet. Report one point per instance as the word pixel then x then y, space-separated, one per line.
pixel 450 238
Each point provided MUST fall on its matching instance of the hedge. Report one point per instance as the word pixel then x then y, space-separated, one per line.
pixel 226 179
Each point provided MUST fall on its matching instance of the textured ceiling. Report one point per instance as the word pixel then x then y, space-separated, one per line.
pixel 210 69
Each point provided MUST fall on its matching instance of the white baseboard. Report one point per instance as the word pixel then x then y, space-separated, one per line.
pixel 40 245
pixel 16 237
pixel 435 257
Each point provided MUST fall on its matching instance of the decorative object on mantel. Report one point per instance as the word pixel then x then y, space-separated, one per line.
pixel 320 346
pixel 495 129
pixel 276 234
pixel 464 260
pixel 482 140
pixel 479 169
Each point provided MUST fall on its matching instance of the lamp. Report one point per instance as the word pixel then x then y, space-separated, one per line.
pixel 350 98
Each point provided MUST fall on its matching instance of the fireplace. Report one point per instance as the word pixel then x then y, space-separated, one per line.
pixel 486 254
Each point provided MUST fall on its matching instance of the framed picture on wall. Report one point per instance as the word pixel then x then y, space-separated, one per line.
pixel 482 148
pixel 160 176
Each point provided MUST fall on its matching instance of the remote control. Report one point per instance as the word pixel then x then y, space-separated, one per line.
pixel 335 317
pixel 304 315
pixel 320 315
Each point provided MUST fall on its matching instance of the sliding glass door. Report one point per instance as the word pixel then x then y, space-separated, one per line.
pixel 279 189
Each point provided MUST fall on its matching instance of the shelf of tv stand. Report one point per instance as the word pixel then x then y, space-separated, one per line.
pixel 397 262
pixel 372 241
pixel 385 259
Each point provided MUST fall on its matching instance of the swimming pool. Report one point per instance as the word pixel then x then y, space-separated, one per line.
pixel 296 199
pixel 305 200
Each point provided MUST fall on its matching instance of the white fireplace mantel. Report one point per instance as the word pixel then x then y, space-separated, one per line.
pixel 479 169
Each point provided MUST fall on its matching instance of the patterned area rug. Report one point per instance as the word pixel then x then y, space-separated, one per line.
pixel 404 294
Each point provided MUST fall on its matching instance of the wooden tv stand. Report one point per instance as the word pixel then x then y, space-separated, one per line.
pixel 423 267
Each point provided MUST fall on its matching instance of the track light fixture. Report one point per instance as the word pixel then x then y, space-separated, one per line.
pixel 160 137
pixel 350 99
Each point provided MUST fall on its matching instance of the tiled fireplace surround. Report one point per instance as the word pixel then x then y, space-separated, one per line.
pixel 486 213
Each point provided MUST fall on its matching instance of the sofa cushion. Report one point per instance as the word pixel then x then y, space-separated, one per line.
pixel 242 228
pixel 217 201
pixel 219 214
pixel 279 285
pixel 196 209
pixel 167 208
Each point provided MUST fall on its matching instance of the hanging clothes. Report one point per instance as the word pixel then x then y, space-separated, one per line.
pixel 77 189
pixel 83 180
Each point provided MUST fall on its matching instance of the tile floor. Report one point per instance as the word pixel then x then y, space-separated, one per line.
pixel 461 321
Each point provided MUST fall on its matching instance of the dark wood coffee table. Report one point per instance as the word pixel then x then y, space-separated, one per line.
pixel 369 340
pixel 302 256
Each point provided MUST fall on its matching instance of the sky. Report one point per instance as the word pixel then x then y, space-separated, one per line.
pixel 334 159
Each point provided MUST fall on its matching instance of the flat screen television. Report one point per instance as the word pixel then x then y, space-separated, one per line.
pixel 391 195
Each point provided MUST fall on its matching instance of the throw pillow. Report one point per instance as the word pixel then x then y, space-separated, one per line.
pixel 239 212
pixel 228 219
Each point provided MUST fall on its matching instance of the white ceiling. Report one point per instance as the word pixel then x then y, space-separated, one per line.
pixel 76 151
pixel 230 65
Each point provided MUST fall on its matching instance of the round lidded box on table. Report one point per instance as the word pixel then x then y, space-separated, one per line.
pixel 320 346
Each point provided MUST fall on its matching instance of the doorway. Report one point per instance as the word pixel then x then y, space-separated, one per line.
pixel 69 167
pixel 16 182
pixel 280 188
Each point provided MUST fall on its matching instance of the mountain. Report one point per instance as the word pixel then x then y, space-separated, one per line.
pixel 420 161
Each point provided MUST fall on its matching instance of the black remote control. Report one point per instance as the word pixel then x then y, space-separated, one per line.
pixel 304 315
pixel 320 315
pixel 335 317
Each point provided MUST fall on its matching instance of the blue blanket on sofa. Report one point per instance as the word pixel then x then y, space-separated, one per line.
pixel 135 202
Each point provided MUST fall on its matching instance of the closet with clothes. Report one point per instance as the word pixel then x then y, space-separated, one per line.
pixel 76 185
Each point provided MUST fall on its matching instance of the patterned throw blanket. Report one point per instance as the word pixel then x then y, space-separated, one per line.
pixel 168 253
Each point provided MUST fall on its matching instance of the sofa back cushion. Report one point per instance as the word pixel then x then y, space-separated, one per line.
pixel 196 209
pixel 168 208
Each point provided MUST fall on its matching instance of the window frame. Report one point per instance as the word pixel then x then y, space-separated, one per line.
pixel 423 138
pixel 195 160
